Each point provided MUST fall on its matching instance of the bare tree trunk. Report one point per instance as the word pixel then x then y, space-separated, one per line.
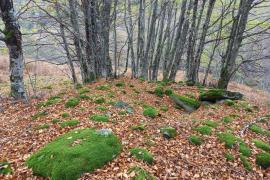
pixel 66 46
pixel 77 40
pixel 234 43
pixel 115 38
pixel 13 40
pixel 141 36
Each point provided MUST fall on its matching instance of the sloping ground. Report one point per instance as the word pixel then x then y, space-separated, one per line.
pixel 22 135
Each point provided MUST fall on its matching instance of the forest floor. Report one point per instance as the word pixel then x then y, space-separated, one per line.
pixel 26 128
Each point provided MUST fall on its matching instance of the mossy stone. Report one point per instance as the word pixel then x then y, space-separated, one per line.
pixel 150 112
pixel 168 132
pixel 72 102
pixel 263 160
pixel 74 153
pixel 99 118
pixel 142 154
pixel 196 140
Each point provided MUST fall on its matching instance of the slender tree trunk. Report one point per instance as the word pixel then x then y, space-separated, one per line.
pixel 13 40
pixel 141 37
pixel 66 46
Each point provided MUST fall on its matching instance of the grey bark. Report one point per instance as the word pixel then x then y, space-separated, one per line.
pixel 13 41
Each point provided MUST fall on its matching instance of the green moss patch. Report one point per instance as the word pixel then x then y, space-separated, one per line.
pixel 120 84
pixel 51 101
pixel 262 145
pixel 229 102
pixel 55 120
pixel 74 153
pixel 100 100
pixel 159 91
pixel 245 162
pixel 142 154
pixel 83 96
pixel 229 139
pixel 227 119
pixel 244 149
pixel 138 127
pixel 65 115
pixel 102 87
pixel 72 122
pixel 168 132
pixel 229 156
pixel 102 108
pixel 5 168
pixel 150 111
pixel 39 115
pixel 99 118
pixel 263 160
pixel 140 174
pixel 205 130
pixel 43 126
pixel 259 130
pixel 196 140
pixel 210 123
pixel 72 102
pixel 83 91
pixel 168 91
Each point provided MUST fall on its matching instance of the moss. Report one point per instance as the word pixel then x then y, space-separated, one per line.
pixel 72 102
pixel 190 95
pixel 102 108
pixel 55 120
pixel 159 91
pixel 262 145
pixel 83 96
pixel 259 130
pixel 120 84
pixel 212 93
pixel 72 122
pixel 263 160
pixel 73 154
pixel 227 119
pixel 51 101
pixel 229 156
pixel 245 162
pixel 79 86
pixel 43 126
pixel 5 168
pixel 99 118
pixel 190 101
pixel 164 108
pixel 102 88
pixel 168 91
pixel 39 114
pixel 138 127
pixel 193 139
pixel 142 154
pixel 150 112
pixel 229 139
pixel 168 132
pixel 122 112
pixel 140 174
pixel 65 115
pixel 83 91
pixel 100 100
pixel 229 102
pixel 244 150
pixel 210 123
pixel 205 130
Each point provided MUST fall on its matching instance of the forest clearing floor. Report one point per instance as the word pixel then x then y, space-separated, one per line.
pixel 24 129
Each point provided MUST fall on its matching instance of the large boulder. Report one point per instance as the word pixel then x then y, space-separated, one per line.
pixel 215 95
pixel 189 104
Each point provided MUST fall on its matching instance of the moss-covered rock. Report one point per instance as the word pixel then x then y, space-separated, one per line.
pixel 214 95
pixel 245 162
pixel 138 127
pixel 168 132
pixel 142 154
pixel 73 154
pixel 244 149
pixel 189 104
pixel 263 160
pixel 39 114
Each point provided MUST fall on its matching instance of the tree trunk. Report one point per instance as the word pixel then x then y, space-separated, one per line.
pixel 13 40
